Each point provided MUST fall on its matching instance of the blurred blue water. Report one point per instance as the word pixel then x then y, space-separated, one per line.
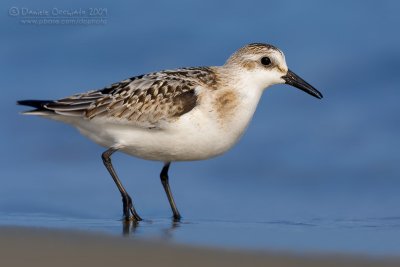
pixel 333 161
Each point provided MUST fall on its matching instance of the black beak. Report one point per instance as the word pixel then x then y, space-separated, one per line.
pixel 294 80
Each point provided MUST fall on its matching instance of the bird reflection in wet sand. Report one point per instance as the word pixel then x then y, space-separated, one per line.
pixel 129 228
pixel 184 114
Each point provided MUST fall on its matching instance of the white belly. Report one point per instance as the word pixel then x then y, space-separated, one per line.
pixel 194 136
pixel 199 134
pixel 184 140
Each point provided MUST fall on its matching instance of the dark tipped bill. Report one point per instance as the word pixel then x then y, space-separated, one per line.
pixel 294 80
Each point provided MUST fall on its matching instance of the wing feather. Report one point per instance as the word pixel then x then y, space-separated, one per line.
pixel 144 100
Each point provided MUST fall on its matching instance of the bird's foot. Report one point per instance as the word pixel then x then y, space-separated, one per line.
pixel 130 213
pixel 177 217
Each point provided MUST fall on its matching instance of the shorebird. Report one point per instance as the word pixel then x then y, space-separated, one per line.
pixel 184 114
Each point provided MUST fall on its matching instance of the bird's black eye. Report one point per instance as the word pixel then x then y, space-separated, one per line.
pixel 265 61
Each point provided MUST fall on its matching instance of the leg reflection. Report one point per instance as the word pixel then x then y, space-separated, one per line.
pixel 165 230
pixel 129 227
pixel 169 231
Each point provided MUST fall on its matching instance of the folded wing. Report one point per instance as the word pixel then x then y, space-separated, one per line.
pixel 144 100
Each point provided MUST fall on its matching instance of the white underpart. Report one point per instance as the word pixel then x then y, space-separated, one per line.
pixel 194 136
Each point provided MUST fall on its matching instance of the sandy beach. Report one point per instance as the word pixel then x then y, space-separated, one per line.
pixel 21 246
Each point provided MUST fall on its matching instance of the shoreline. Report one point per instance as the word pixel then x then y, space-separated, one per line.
pixel 22 246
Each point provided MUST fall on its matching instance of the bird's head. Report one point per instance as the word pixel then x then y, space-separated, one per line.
pixel 265 65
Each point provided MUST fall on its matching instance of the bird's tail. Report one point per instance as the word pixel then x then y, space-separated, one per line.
pixel 39 105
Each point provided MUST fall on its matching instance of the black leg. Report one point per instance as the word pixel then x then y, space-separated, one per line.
pixel 165 183
pixel 128 207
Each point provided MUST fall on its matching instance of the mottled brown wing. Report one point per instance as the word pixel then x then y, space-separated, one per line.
pixel 143 100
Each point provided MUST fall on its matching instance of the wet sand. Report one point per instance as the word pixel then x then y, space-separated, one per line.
pixel 43 247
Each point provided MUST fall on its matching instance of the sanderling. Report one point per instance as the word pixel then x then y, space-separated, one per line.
pixel 174 115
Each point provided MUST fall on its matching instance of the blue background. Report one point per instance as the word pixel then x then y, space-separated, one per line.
pixel 307 175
